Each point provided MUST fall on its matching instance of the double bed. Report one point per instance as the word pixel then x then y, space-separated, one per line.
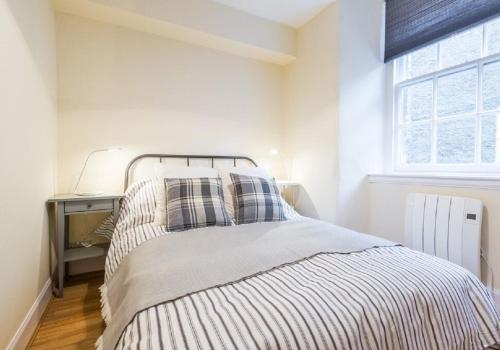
pixel 294 284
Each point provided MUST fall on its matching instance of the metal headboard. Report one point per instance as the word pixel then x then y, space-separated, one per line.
pixel 180 156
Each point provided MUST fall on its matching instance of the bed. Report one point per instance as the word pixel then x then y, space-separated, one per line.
pixel 294 284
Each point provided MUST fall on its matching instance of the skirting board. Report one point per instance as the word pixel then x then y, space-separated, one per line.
pixel 25 331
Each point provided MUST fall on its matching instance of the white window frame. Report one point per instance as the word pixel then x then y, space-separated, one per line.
pixel 398 122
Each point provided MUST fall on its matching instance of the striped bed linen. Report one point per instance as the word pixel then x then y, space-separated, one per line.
pixel 380 298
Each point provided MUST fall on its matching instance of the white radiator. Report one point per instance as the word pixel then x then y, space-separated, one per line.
pixel 447 227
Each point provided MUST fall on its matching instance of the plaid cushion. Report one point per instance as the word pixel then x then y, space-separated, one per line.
pixel 256 200
pixel 194 203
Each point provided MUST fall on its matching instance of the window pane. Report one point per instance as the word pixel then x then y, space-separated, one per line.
pixel 490 138
pixel 417 101
pixel 457 93
pixel 422 61
pixel 493 37
pixel 456 141
pixel 491 86
pixel 416 144
pixel 461 48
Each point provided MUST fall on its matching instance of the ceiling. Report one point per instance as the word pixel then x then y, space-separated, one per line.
pixel 294 13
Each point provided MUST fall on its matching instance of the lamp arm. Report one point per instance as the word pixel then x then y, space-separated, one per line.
pixel 84 166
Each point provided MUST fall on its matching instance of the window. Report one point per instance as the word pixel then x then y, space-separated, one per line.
pixel 447 103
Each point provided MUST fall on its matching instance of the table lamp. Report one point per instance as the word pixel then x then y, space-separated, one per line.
pixel 75 189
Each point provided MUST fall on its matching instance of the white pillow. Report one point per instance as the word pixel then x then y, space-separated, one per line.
pixel 228 188
pixel 164 171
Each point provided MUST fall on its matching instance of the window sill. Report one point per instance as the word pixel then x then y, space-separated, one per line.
pixel 466 181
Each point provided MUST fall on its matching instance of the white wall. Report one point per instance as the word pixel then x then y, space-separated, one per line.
pixel 310 100
pixel 361 91
pixel 145 93
pixel 200 22
pixel 27 154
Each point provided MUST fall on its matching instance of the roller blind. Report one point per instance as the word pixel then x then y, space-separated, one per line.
pixel 411 24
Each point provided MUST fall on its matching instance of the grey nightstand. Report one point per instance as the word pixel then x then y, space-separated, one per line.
pixel 71 204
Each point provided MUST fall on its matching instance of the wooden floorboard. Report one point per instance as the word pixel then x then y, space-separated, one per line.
pixel 73 322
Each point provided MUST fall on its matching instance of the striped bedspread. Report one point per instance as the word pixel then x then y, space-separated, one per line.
pixel 379 298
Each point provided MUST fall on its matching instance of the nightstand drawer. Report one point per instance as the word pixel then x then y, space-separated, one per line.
pixel 82 206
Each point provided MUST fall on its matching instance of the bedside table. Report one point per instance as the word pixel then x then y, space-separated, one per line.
pixel 72 204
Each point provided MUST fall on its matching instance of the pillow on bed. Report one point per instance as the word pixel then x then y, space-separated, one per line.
pixel 256 200
pixel 195 203
pixel 224 174
pixel 227 182
pixel 164 171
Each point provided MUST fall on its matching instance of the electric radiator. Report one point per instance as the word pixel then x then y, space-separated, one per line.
pixel 447 227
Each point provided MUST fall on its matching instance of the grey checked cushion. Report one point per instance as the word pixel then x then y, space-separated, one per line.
pixel 256 200
pixel 194 203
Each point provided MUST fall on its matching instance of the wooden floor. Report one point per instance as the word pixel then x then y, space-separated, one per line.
pixel 73 322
